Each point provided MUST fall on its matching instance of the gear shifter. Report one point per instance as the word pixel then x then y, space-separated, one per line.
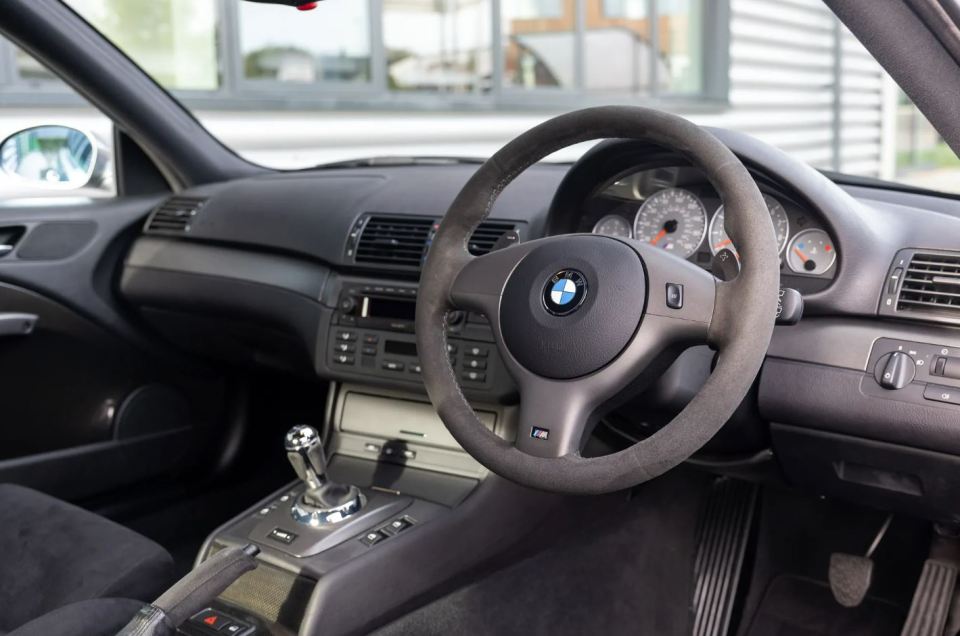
pixel 323 501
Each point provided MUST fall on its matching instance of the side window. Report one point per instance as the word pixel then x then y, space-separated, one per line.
pixel 53 143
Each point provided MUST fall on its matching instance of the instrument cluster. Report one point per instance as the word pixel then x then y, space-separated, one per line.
pixel 677 210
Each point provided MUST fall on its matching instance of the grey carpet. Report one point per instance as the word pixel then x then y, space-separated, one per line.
pixel 794 606
pixel 621 569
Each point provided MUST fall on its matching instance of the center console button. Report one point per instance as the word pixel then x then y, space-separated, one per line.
pixel 345 347
pixel 344 358
pixel 393 365
pixel 476 352
pixel 396 526
pixel 346 336
pixel 283 536
pixel 369 350
pixel 474 363
pixel 371 338
pixel 211 619
pixel 372 538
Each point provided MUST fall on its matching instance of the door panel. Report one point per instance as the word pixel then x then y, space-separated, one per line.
pixel 89 401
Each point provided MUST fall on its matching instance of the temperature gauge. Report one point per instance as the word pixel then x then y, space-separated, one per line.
pixel 811 252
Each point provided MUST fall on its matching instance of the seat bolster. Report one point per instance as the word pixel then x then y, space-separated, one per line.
pixel 53 553
pixel 96 617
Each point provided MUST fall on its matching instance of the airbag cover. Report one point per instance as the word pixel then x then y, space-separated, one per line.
pixel 589 336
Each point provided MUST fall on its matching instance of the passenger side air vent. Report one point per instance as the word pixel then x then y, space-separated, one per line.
pixel 487 235
pixel 924 285
pixel 393 240
pixel 174 215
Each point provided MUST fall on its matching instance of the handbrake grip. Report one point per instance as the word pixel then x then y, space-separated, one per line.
pixel 192 593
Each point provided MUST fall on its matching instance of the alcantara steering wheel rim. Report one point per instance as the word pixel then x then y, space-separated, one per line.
pixel 569 361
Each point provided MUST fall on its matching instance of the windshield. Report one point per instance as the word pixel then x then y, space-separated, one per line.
pixel 367 78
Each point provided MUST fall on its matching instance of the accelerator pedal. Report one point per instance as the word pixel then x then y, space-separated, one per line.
pixel 931 600
pixel 721 547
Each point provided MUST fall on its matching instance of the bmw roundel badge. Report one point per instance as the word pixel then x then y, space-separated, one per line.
pixel 564 292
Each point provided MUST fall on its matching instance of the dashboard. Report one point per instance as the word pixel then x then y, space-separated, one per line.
pixel 316 273
pixel 676 208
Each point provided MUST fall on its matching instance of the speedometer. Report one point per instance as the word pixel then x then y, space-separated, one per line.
pixel 781 225
pixel 673 219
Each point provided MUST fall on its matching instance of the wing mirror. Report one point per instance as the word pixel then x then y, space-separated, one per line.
pixel 53 157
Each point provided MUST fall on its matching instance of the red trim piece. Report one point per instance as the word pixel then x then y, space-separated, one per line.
pixel 308 6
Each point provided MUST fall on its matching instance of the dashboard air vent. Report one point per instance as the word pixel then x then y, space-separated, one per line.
pixel 392 240
pixel 174 215
pixel 487 235
pixel 931 284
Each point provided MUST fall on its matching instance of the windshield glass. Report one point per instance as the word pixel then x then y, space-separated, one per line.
pixel 365 78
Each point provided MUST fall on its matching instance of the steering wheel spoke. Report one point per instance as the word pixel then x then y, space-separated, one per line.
pixel 553 417
pixel 680 292
pixel 480 280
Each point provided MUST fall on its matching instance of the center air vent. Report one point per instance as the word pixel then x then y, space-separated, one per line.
pixel 929 286
pixel 174 215
pixel 393 240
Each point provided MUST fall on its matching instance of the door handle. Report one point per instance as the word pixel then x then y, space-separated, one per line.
pixel 17 324
pixel 10 235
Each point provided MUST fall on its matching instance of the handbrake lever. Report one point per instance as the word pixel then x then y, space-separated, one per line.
pixel 192 593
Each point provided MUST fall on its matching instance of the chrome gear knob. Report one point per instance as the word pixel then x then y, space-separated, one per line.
pixel 305 451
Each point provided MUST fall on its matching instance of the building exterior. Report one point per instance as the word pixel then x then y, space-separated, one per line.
pixel 358 78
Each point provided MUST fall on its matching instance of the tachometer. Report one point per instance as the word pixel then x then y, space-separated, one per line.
pixel 781 225
pixel 673 219
pixel 811 252
pixel 613 225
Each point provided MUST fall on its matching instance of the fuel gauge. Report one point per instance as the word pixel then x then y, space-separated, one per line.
pixel 811 252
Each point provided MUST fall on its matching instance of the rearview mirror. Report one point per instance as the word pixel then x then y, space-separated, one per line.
pixel 56 157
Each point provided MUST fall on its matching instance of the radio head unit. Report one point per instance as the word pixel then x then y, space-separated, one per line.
pixel 390 308
pixel 372 334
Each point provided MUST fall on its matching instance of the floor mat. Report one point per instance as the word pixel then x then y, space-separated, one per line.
pixel 626 570
pixel 793 606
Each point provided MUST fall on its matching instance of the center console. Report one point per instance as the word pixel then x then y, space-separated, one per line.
pixel 398 509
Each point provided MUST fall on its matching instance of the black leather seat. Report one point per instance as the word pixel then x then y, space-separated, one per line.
pixel 64 570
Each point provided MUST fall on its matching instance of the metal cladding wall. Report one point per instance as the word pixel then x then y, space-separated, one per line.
pixel 801 81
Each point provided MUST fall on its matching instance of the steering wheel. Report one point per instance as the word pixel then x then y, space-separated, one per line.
pixel 582 319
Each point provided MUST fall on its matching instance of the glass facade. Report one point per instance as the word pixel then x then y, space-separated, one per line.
pixel 398 52
pixel 438 45
pixel 173 40
pixel 304 47
pixel 539 44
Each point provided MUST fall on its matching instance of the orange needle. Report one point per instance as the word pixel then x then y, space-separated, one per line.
pixel 660 235
pixel 722 244
pixel 803 257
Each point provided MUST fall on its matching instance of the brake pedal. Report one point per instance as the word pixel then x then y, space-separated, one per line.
pixel 721 547
pixel 850 575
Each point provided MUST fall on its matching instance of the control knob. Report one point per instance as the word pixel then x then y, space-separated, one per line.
pixel 895 370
